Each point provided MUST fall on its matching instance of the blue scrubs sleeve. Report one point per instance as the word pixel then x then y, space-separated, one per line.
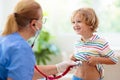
pixel 21 62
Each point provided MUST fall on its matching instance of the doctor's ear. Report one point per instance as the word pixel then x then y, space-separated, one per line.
pixel 33 22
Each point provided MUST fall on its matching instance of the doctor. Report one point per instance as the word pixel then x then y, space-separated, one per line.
pixel 17 59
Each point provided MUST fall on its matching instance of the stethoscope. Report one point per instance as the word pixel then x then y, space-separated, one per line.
pixel 51 77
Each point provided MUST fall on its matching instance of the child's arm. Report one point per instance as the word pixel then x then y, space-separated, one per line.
pixel 92 60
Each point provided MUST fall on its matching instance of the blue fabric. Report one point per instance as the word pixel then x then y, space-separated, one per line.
pixel 17 59
pixel 76 78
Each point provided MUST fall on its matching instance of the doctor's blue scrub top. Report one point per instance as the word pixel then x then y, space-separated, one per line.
pixel 17 59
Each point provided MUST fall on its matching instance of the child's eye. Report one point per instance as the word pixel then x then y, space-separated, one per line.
pixel 73 22
pixel 79 21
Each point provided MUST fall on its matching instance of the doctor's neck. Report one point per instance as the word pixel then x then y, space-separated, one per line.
pixel 25 34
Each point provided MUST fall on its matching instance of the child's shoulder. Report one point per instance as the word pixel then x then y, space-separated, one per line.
pixel 100 39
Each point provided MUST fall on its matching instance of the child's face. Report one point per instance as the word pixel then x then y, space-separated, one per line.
pixel 80 27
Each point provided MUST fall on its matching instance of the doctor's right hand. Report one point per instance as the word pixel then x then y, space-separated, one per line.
pixel 61 67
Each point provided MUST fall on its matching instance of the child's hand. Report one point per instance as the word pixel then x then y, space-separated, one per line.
pixel 92 60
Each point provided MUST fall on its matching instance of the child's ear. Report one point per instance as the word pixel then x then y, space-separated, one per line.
pixel 91 27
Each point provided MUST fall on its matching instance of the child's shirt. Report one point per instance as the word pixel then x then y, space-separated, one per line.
pixel 95 46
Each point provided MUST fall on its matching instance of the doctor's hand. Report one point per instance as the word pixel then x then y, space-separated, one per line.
pixel 61 67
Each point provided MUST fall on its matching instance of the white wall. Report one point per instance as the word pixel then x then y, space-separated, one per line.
pixel 6 8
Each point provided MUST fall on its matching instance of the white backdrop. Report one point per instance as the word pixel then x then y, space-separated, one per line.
pixel 6 7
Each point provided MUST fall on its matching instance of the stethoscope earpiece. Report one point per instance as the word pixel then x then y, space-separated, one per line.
pixel 33 24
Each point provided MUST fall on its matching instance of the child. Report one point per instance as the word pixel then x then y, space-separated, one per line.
pixel 91 49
